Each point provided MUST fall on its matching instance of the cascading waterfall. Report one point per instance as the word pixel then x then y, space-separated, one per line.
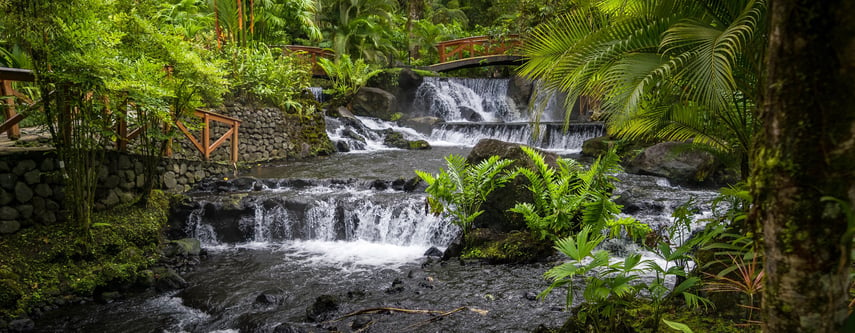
pixel 461 99
pixel 545 136
pixel 324 213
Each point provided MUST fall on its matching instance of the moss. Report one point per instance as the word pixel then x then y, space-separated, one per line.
pixel 45 263
pixel 513 247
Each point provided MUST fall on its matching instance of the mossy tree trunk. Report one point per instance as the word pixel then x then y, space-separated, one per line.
pixel 806 152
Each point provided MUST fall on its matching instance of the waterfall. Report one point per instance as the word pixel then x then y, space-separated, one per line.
pixel 322 212
pixel 473 100
pixel 546 136
pixel 318 92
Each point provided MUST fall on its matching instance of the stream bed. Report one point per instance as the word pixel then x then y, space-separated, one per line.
pixel 348 234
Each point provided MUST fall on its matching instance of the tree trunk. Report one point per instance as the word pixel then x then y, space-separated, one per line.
pixel 804 153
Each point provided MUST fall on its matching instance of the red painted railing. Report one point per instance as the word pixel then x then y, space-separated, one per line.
pixel 478 46
pixel 311 54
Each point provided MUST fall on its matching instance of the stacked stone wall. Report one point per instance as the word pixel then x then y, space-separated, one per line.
pixel 31 184
pixel 265 134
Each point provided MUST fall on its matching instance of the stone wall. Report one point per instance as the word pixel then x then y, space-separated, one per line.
pixel 266 134
pixel 31 185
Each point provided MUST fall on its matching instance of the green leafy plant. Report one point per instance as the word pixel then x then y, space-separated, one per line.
pixel 347 76
pixel 462 189
pixel 568 196
pixel 277 79
pixel 609 288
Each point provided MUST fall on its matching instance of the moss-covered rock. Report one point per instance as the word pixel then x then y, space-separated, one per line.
pixel 57 263
pixel 505 248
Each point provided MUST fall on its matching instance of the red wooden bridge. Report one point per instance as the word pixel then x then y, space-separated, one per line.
pixel 476 52
pixel 453 54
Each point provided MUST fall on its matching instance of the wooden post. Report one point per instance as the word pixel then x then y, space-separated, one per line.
pixel 14 131
pixel 234 155
pixel 206 135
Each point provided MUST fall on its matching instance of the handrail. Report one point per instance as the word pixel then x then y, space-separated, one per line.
pixel 7 75
pixel 206 147
pixel 311 54
pixel 488 46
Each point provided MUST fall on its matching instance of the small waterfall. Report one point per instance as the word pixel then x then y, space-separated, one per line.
pixel 334 212
pixel 318 92
pixel 473 100
pixel 549 136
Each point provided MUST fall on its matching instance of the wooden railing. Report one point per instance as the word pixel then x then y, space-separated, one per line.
pixel 205 146
pixel 311 54
pixel 479 46
pixel 12 117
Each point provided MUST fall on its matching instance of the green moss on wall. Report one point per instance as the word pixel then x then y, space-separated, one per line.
pixel 43 264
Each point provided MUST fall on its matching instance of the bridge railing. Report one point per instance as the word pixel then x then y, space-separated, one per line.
pixel 478 46
pixel 205 146
pixel 12 117
pixel 311 54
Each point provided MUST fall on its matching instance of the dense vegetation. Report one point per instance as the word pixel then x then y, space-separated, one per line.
pixel 660 70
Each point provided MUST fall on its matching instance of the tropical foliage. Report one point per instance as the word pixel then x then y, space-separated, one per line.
pixel 460 190
pixel 674 70
pixel 569 197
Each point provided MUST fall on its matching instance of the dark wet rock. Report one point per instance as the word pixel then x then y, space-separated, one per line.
pixel 423 125
pixel 598 146
pixel 379 185
pixel 470 114
pixel 496 215
pixel 289 328
pixel 110 296
pixel 269 297
pixel 375 102
pixel 418 145
pixel 520 90
pixel 323 308
pixel 680 162
pixel 22 325
pixel 454 249
pixel 397 287
pixel 506 248
pixel 167 279
pixel 361 322
pixel 433 252
pixel 415 184
pixel 531 296
pixel 182 247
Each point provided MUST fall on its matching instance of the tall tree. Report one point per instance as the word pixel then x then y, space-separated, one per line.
pixel 803 158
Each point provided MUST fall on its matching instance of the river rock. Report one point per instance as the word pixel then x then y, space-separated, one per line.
pixel 598 146
pixel 22 325
pixel 167 279
pixel 433 252
pixel 496 215
pixel 183 247
pixel 323 308
pixel 269 297
pixel 289 328
pixel 375 102
pixel 422 125
pixel 8 213
pixel 677 161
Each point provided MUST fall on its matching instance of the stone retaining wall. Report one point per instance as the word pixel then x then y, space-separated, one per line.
pixel 266 134
pixel 31 190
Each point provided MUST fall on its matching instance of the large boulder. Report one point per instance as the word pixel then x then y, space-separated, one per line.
pixel 680 162
pixel 423 125
pixel 496 215
pixel 519 91
pixel 375 102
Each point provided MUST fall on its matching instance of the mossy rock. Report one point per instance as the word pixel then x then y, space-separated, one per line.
pixel 505 248
pixel 10 293
pixel 418 145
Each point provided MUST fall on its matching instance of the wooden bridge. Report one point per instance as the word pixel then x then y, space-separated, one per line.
pixel 11 124
pixel 476 52
pixel 461 53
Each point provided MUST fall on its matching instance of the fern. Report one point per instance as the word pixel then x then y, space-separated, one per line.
pixel 568 197
pixel 460 190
